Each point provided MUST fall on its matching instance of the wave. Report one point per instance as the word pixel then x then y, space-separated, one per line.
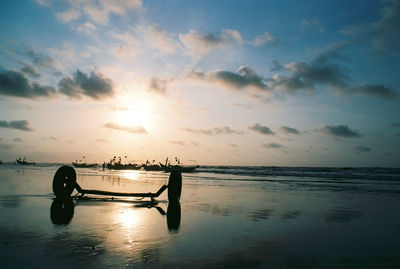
pixel 369 173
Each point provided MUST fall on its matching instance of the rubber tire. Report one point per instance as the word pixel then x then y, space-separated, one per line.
pixel 64 181
pixel 174 187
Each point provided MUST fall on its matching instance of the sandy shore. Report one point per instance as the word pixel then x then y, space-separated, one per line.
pixel 222 224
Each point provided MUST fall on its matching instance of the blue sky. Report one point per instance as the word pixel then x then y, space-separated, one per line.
pixel 220 82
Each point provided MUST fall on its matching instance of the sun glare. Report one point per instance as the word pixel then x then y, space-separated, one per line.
pixel 133 116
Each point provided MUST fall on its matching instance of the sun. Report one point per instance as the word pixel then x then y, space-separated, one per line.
pixel 133 115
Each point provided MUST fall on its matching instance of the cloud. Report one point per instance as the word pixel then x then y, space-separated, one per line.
pixel 260 129
pixel 200 43
pixel 384 34
pixel 264 40
pixel 127 46
pixel 17 139
pixel 377 91
pixel 362 149
pixel 213 131
pixel 158 38
pixel 181 143
pixel 312 25
pixel 272 145
pixel 95 85
pixel 30 71
pixel 134 130
pixel 87 27
pixel 14 83
pixel 339 131
pixel 276 66
pixel 194 143
pixel 243 78
pixel 157 85
pixel 22 125
pixel 40 59
pixel 289 130
pixel 97 11
pixel 395 124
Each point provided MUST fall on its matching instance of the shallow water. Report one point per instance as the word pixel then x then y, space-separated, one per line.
pixel 223 221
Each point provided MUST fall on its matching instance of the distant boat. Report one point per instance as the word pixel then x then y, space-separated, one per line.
pixel 24 162
pixel 120 166
pixel 181 168
pixel 153 167
pixel 84 165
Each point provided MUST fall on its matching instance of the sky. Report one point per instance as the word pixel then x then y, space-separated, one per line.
pixel 280 83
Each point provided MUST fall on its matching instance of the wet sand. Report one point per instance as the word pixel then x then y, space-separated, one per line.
pixel 220 223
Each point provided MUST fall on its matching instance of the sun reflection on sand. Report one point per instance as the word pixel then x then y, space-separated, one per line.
pixel 131 174
pixel 128 217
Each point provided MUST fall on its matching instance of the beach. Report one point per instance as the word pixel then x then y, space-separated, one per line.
pixel 225 220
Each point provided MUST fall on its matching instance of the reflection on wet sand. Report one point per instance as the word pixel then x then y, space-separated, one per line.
pixel 62 210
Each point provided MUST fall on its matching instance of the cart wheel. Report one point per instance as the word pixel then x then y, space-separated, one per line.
pixel 174 187
pixel 64 181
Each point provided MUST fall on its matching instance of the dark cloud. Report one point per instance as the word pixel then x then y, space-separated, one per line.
pixel 14 83
pixel 384 34
pixel 213 131
pixel 276 66
pixel 157 85
pixel 30 71
pixel 134 130
pixel 289 130
pixel 395 124
pixel 339 131
pixel 40 59
pixel 181 143
pixel 273 145
pixel 362 149
pixel 378 91
pixel 17 139
pixel 95 85
pixel 244 77
pixel 260 129
pixel 22 125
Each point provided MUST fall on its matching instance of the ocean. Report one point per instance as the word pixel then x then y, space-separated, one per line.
pixel 228 217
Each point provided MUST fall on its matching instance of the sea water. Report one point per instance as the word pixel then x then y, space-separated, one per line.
pixel 250 217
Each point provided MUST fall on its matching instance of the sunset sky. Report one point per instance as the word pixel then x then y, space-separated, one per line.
pixel 288 83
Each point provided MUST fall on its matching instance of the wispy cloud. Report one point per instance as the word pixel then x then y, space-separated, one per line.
pixel 383 34
pixel 22 125
pixel 158 38
pixel 264 130
pixel 338 131
pixel 96 11
pixel 272 145
pixel 312 25
pixel 289 130
pixel 265 40
pixel 212 131
pixel 134 130
pixel 362 149
pixel 197 43
pixel 177 142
